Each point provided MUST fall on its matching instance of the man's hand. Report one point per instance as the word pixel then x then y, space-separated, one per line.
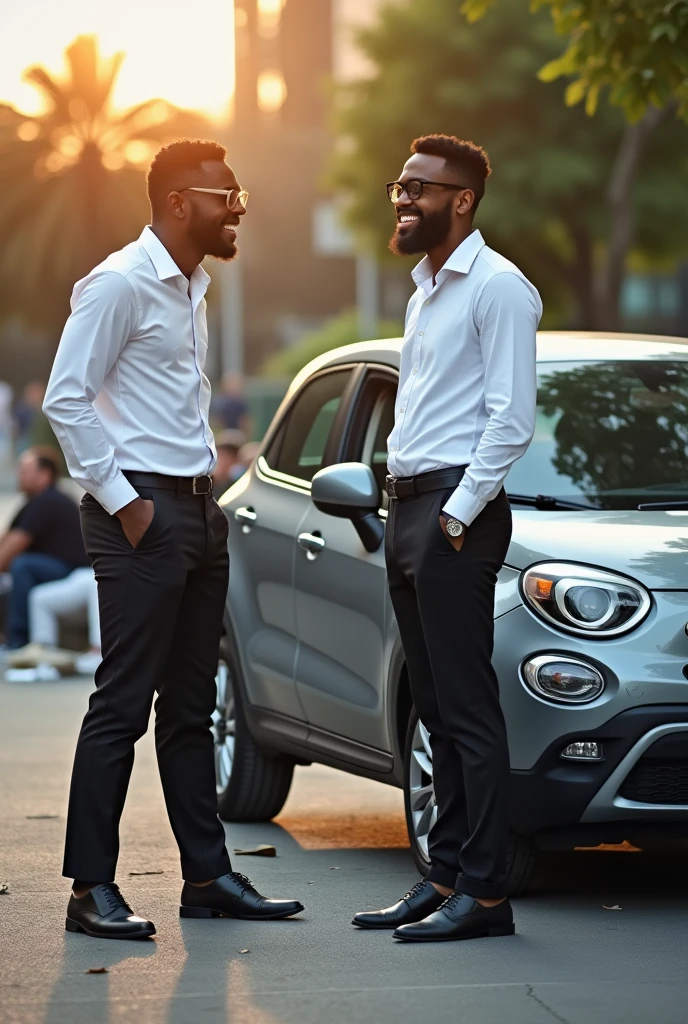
pixel 135 518
pixel 456 542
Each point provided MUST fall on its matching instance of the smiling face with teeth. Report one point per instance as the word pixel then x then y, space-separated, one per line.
pixel 439 219
pixel 211 225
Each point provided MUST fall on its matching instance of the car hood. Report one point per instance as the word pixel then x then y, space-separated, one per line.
pixel 652 547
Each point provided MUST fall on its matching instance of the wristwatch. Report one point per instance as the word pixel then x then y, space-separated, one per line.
pixel 455 528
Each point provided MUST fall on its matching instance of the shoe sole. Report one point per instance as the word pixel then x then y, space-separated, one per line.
pixel 491 933
pixel 378 927
pixel 204 913
pixel 74 926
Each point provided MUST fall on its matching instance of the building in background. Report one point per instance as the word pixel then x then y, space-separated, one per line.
pixel 297 266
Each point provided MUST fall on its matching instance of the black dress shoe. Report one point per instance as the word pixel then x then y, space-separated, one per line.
pixel 104 913
pixel 233 896
pixel 418 902
pixel 460 917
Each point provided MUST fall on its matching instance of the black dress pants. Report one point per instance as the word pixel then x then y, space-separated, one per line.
pixel 161 611
pixel 444 604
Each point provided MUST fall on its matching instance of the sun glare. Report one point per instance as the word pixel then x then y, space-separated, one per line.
pixel 181 53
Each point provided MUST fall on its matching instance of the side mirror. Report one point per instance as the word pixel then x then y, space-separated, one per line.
pixel 349 491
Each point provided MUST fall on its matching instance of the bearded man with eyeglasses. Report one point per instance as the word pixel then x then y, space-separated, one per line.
pixel 128 399
pixel 465 411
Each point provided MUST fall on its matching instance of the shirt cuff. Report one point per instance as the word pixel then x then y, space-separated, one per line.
pixel 115 495
pixel 464 506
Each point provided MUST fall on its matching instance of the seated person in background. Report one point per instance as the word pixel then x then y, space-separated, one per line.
pixel 229 467
pixel 75 593
pixel 44 541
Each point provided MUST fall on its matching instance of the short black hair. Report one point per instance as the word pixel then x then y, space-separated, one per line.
pixel 48 460
pixel 174 165
pixel 469 163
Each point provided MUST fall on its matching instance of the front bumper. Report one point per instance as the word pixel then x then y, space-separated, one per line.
pixel 563 802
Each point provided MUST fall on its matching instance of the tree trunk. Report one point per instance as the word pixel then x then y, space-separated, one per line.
pixel 620 200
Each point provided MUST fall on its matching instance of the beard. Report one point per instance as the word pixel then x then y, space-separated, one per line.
pixel 214 243
pixel 426 234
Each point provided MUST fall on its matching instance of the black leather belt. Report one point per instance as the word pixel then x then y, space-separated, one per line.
pixel 181 484
pixel 406 486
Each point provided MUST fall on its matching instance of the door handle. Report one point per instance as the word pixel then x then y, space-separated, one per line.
pixel 247 517
pixel 312 544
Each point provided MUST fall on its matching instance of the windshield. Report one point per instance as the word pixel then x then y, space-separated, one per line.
pixel 613 435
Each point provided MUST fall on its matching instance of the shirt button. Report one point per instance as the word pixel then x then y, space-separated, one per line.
pixel 403 409
pixel 415 369
pixel 421 333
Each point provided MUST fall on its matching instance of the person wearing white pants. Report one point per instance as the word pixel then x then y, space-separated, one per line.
pixel 47 602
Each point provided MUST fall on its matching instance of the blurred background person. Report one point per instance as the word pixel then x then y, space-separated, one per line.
pixel 26 410
pixel 230 408
pixel 72 595
pixel 44 541
pixel 5 431
pixel 229 466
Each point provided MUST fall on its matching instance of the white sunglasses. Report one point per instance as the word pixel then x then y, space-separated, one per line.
pixel 233 195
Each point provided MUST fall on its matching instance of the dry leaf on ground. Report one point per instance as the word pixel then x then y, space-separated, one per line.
pixel 146 872
pixel 258 851
pixel 96 970
pixel 4 889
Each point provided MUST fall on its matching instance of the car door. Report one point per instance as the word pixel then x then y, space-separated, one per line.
pixel 267 506
pixel 340 593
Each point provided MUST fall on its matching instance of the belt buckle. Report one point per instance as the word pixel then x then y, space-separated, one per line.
pixel 391 487
pixel 206 480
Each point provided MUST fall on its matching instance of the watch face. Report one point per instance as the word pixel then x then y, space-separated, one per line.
pixel 454 528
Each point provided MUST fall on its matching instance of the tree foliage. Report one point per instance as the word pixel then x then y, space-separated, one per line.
pixel 72 182
pixel 635 49
pixel 340 330
pixel 546 204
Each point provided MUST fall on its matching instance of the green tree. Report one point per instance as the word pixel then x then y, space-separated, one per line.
pixel 635 51
pixel 546 205
pixel 72 184
pixel 340 330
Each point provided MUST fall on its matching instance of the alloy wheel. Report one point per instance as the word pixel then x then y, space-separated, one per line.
pixel 421 791
pixel 224 727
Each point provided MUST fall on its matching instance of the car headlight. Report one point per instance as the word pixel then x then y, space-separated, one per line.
pixel 585 601
pixel 563 680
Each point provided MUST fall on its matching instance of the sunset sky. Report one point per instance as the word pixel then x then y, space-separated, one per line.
pixel 176 50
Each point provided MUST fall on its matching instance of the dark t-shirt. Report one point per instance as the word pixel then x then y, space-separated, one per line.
pixel 230 410
pixel 52 520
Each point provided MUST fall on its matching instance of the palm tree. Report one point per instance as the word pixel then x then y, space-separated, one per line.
pixel 72 185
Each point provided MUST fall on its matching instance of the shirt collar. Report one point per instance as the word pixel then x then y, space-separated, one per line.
pixel 460 261
pixel 165 267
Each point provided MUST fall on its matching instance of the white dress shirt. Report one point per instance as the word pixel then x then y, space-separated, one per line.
pixel 127 390
pixel 467 385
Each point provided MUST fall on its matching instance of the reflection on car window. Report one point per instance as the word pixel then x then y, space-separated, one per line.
pixel 299 447
pixel 614 434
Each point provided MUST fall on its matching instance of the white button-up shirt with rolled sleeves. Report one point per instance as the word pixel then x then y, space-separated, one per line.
pixel 128 389
pixel 467 385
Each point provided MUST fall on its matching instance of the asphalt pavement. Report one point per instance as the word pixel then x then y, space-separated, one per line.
pixel 340 848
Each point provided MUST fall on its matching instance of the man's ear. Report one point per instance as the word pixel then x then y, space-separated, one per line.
pixel 465 202
pixel 175 201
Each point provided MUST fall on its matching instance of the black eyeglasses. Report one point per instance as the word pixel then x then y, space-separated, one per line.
pixel 414 188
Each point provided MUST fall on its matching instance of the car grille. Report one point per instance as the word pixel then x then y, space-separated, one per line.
pixel 653 781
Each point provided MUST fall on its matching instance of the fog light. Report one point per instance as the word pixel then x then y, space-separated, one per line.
pixel 583 750
pixel 563 680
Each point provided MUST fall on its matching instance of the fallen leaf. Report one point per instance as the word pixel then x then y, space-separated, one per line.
pixel 146 872
pixel 96 970
pixel 4 889
pixel 258 851
pixel 615 907
pixel 334 869
pixel 244 950
pixel 311 883
pixel 42 817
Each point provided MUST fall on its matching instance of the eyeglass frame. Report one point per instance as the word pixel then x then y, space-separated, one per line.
pixel 236 192
pixel 419 181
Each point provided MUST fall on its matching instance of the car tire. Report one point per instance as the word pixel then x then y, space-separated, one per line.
pixel 252 783
pixel 421 811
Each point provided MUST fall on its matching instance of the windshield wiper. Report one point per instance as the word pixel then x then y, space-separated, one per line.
pixel 546 503
pixel 658 506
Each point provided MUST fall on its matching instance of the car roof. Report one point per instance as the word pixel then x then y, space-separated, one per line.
pixel 552 346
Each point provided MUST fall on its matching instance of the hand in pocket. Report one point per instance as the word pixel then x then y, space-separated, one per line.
pixel 136 518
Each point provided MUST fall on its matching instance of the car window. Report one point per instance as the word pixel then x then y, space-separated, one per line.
pixel 613 435
pixel 373 421
pixel 299 446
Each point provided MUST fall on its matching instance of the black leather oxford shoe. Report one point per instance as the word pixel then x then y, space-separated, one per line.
pixel 418 902
pixel 460 917
pixel 233 896
pixel 104 914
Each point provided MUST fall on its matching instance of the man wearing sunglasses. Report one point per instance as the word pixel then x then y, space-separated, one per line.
pixel 465 412
pixel 129 401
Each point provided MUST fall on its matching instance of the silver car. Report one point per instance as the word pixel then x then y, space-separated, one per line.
pixel 591 608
